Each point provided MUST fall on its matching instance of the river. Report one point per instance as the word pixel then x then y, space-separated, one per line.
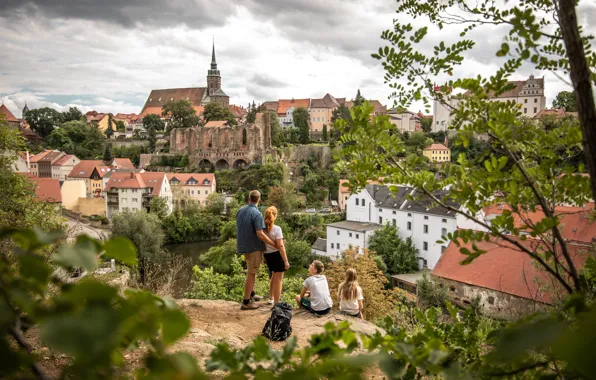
pixel 192 251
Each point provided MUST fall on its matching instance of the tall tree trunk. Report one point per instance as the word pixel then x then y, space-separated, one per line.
pixel 580 77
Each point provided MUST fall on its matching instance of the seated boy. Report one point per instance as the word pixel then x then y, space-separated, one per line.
pixel 319 301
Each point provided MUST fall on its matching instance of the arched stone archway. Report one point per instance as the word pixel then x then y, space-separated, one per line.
pixel 240 164
pixel 222 164
pixel 205 165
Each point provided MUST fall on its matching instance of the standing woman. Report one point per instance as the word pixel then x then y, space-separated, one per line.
pixel 276 258
pixel 350 295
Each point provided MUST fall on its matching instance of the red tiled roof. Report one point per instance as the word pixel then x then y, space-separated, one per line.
pixel 237 111
pixel 122 180
pixel 423 116
pixel 157 111
pixel 102 170
pixel 574 224
pixel 125 116
pixel 504 268
pixel 64 160
pixel 284 104
pixel 46 155
pixel 270 106
pixel 185 177
pixel 158 98
pixel 35 158
pixel 6 112
pixel 216 123
pixel 436 147
pixel 85 168
pixel 558 113
pixel 153 180
pixel 47 189
pixel 123 163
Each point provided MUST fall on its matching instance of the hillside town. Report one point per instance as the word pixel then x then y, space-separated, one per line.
pixel 438 220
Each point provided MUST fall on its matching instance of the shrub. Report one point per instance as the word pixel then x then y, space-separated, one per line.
pixel 430 293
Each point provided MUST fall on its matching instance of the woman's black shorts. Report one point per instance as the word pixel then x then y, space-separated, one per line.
pixel 275 262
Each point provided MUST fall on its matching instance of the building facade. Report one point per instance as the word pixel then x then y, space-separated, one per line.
pixel 437 153
pixel 63 166
pixel 92 172
pixel 193 187
pixel 527 94
pixel 348 234
pixel 41 163
pixel 129 191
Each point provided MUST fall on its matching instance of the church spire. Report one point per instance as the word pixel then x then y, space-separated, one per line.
pixel 213 62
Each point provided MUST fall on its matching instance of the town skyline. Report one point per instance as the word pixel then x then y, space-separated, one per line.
pixel 109 61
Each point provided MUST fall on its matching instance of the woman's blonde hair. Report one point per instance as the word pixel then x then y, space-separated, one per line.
pixel 270 216
pixel 348 289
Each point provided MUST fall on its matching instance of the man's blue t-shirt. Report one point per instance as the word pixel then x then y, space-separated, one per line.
pixel 248 221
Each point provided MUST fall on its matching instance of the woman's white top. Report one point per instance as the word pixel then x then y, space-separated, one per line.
pixel 274 235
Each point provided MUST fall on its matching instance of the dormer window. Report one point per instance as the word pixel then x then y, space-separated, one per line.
pixel 206 182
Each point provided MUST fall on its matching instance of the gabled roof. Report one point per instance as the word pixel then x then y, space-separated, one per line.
pixel 426 206
pixel 320 245
pixel 284 104
pixel 237 111
pixel 122 163
pixel 503 268
pixel 216 123
pixel 270 105
pixel 185 177
pixel 518 86
pixel 124 180
pixel 355 226
pixel 6 112
pixel 47 189
pixel 153 180
pixel 102 170
pixel 158 98
pixel 64 160
pixel 126 116
pixel 383 197
pixel 85 168
pixel 436 147
pixel 46 156
pixel 157 111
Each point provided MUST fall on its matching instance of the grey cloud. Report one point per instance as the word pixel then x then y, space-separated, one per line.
pixel 266 81
pixel 129 13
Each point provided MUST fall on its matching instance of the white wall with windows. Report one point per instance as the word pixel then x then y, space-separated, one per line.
pixel 340 239
pixel 361 208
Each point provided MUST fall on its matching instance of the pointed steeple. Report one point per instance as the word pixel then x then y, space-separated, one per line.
pixel 25 109
pixel 213 62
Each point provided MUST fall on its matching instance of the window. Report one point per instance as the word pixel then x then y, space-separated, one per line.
pixel 332 245
pixel 535 109
pixel 394 212
pixel 525 110
pixel 357 201
pixel 380 220
pixel 380 210
pixel 535 100
pixel 394 222
pixel 350 234
pixel 443 231
pixel 444 220
pixel 357 236
pixel 525 100
pixel 425 217
pixel 409 214
pixel 409 226
pixel 337 232
pixel 363 202
pixel 135 200
pixel 443 248
pixel 134 190
pixel 425 246
pixel 426 228
pixel 491 300
pixel 206 191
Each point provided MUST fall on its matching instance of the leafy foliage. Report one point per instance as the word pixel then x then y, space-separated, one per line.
pixel 431 294
pixel 43 120
pixel 180 114
pixel 565 100
pixel 153 124
pixel 301 119
pixel 159 206
pixel 215 111
pixel 73 114
pixel 76 137
pixel 400 256
pixel 190 226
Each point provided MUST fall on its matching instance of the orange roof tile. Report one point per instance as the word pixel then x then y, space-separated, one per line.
pixel 436 147
pixel 85 168
pixel 6 112
pixel 123 180
pixel 198 177
pixel 153 180
pixel 123 163
pixel 270 105
pixel 64 160
pixel 216 123
pixel 237 111
pixel 47 189
pixel 503 268
pixel 157 111
pixel 159 98
pixel 284 104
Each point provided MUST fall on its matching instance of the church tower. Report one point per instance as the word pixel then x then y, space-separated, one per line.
pixel 25 110
pixel 213 76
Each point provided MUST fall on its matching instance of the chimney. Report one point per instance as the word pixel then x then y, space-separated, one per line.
pixel 132 175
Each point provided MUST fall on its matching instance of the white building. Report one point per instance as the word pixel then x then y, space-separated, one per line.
pixel 527 94
pixel 346 234
pixel 129 191
pixel 404 120
pixel 62 168
pixel 375 206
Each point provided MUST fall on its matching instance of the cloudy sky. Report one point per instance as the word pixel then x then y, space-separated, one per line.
pixel 107 55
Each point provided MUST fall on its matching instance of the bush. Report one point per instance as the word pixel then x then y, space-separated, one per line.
pixel 430 293
pixel 220 258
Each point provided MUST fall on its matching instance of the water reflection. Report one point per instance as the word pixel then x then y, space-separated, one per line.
pixel 193 252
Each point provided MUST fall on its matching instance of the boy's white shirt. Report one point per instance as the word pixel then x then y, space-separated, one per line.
pixel 320 298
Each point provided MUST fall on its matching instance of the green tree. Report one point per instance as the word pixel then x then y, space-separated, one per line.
pixel 110 129
pixel 565 100
pixel 215 204
pixel 78 138
pixel 252 113
pixel 107 155
pixel 426 123
pixel 301 119
pixel 220 257
pixel 120 127
pixel 143 229
pixel 180 114
pixel 340 113
pixel 152 124
pixel 282 197
pixel 277 135
pixel 159 206
pixel 324 132
pixel 73 114
pixel 260 177
pixel 43 120
pixel 400 256
pixel 215 111
pixel 359 100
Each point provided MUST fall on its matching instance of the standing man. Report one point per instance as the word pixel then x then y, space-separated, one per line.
pixel 251 239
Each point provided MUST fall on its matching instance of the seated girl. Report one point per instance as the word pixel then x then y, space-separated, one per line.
pixel 350 295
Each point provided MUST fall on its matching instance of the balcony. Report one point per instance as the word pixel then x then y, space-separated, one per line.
pixel 113 203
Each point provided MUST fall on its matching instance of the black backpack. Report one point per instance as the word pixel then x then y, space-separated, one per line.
pixel 277 327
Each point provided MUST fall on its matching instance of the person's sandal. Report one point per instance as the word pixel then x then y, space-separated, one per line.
pixel 249 306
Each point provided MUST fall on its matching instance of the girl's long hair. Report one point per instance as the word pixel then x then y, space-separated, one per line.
pixel 348 289
pixel 270 216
